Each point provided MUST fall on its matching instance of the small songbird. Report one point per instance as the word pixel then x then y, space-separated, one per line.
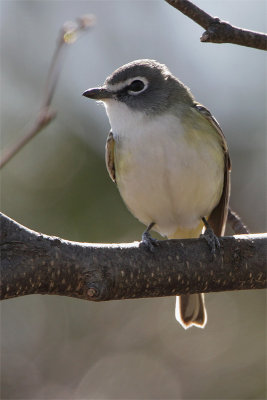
pixel 169 159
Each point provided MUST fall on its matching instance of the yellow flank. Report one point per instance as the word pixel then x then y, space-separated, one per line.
pixel 201 134
pixel 122 162
pixel 182 233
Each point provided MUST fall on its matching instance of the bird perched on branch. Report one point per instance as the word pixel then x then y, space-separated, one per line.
pixel 169 159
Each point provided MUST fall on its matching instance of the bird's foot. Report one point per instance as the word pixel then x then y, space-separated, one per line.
pixel 148 241
pixel 210 237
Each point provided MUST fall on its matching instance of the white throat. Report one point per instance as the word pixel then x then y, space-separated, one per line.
pixel 122 118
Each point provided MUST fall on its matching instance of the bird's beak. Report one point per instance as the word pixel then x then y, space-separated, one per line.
pixel 100 93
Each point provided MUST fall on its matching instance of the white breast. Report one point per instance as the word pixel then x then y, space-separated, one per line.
pixel 162 174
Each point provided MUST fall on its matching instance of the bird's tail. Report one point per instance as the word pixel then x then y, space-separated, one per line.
pixel 190 310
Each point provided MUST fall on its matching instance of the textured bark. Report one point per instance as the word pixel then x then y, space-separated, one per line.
pixel 218 31
pixel 33 263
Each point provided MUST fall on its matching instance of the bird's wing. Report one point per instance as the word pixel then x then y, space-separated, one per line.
pixel 110 156
pixel 218 216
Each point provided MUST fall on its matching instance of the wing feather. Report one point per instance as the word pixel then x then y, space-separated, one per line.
pixel 218 216
pixel 110 156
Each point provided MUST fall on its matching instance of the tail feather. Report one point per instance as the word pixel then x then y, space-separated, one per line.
pixel 190 310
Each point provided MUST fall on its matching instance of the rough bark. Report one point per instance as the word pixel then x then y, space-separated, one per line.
pixel 33 263
pixel 218 31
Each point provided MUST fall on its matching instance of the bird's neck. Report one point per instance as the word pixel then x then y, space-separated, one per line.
pixel 123 119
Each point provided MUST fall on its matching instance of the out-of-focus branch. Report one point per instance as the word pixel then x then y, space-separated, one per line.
pixel 236 223
pixel 218 31
pixel 46 115
pixel 33 263
pixel 68 35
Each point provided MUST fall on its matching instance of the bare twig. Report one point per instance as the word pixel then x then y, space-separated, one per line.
pixel 68 35
pixel 218 31
pixel 45 116
pixel 33 263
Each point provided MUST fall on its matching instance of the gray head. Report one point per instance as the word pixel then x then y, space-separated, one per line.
pixel 144 85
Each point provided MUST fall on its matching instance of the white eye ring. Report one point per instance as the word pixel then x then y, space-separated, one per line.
pixel 137 79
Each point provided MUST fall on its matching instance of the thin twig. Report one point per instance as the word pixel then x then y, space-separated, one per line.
pixel 236 223
pixel 68 35
pixel 218 31
pixel 44 118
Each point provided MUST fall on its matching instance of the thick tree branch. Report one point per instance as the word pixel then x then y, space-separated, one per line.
pixel 218 31
pixel 40 264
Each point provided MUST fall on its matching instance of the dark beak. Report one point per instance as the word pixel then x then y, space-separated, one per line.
pixel 99 93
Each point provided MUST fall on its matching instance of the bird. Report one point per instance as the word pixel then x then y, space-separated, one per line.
pixel 169 159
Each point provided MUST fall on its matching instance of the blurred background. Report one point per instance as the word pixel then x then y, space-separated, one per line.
pixel 63 348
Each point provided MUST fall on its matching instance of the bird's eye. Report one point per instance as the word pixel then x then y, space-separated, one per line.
pixel 136 87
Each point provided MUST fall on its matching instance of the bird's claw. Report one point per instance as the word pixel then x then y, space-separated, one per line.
pixel 149 242
pixel 211 239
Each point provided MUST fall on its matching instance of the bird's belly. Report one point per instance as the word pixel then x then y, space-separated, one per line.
pixel 164 179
